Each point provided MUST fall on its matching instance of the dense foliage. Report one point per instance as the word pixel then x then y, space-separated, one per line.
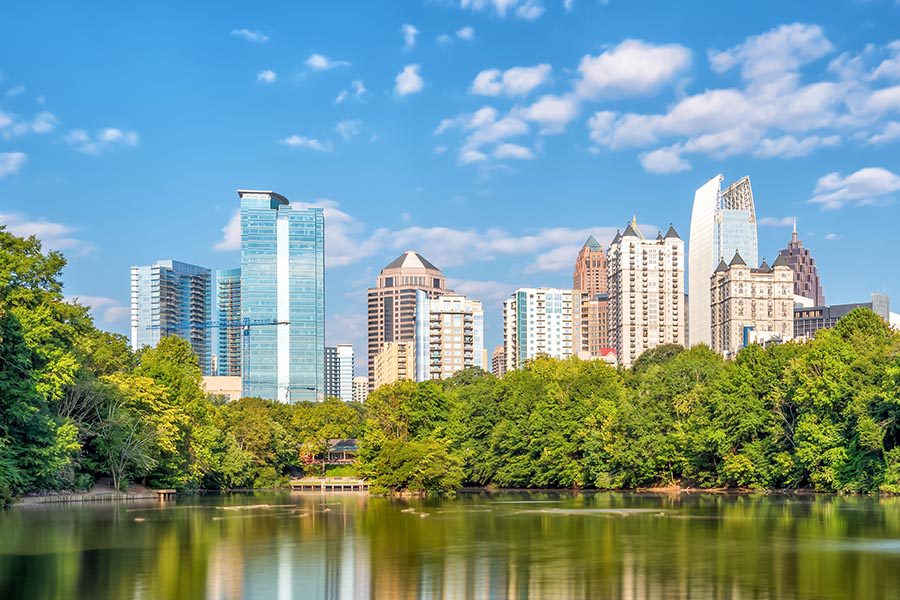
pixel 76 404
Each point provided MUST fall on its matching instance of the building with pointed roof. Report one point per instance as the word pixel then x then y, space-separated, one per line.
pixel 722 221
pixel 392 302
pixel 750 305
pixel 646 292
pixel 806 273
pixel 590 300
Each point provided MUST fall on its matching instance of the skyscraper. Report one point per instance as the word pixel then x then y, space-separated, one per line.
pixel 498 361
pixel 392 302
pixel 339 372
pixel 396 361
pixel 283 281
pixel 722 222
pixel 360 389
pixel 449 335
pixel 537 321
pixel 646 292
pixel 589 282
pixel 228 303
pixel 166 298
pixel 806 274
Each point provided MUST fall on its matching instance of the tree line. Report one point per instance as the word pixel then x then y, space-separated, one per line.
pixel 77 404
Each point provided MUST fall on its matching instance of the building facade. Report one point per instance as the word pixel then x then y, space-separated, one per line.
pixel 537 322
pixel 498 361
pixel 449 335
pixel 591 299
pixel 722 222
pixel 751 304
pixel 360 389
pixel 810 319
pixel 228 305
pixel 396 361
pixel 339 372
pixel 646 292
pixel 392 302
pixel 172 298
pixel 806 273
pixel 283 283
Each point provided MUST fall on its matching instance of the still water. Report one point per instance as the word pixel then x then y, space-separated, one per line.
pixel 540 545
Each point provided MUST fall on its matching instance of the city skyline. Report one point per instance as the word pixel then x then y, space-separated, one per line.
pixel 497 168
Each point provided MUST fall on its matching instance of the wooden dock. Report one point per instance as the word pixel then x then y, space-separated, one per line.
pixel 329 484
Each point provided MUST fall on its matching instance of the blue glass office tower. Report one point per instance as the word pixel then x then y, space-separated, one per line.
pixel 166 298
pixel 283 282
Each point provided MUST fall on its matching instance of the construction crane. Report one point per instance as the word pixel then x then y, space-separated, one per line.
pixel 244 324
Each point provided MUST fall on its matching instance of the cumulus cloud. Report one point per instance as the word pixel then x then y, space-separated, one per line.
pixel 12 126
pixel 409 35
pixel 634 67
pixel 871 185
pixel 301 141
pixel 665 160
pixel 266 76
pixel 101 141
pixel 513 151
pixel 231 234
pixel 11 163
pixel 320 62
pixel 465 33
pixel 250 35
pixel 14 91
pixel 108 311
pixel 53 234
pixel 832 236
pixel 523 9
pixel 517 81
pixel 551 112
pixel 889 133
pixel 409 81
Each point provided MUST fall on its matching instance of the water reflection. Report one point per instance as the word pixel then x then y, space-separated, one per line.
pixel 511 546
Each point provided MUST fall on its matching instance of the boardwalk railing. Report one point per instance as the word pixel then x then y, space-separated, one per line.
pixel 329 484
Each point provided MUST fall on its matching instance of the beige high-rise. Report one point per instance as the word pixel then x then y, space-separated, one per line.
pixel 758 300
pixel 590 304
pixel 498 361
pixel 396 361
pixel 646 292
pixel 392 302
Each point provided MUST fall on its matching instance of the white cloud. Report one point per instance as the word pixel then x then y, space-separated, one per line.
pixel 359 91
pixel 409 35
pixel 770 55
pixel 776 221
pixel 871 185
pixel 444 39
pixel 108 310
pixel 889 68
pixel 789 147
pixel 468 156
pixel 250 35
pixel 890 133
pixel 517 81
pixel 664 160
pixel 266 76
pixel 103 140
pixel 231 234
pixel 553 113
pixel 524 9
pixel 300 141
pixel 43 122
pixel 490 293
pixel 320 62
pixel 11 163
pixel 513 151
pixel 348 128
pixel 634 67
pixel 568 5
pixel 465 33
pixel 15 91
pixel 832 236
pixel 54 235
pixel 409 81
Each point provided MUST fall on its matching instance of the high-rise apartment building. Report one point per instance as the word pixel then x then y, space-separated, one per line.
pixel 751 304
pixel 283 281
pixel 392 302
pixel 498 361
pixel 536 322
pixel 360 389
pixel 449 335
pixel 230 338
pixel 722 222
pixel 168 298
pixel 339 372
pixel 646 292
pixel 591 311
pixel 396 361
pixel 803 265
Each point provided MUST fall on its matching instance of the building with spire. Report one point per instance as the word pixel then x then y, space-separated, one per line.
pixel 392 302
pixel 590 301
pixel 750 305
pixel 806 275
pixel 646 292
pixel 722 222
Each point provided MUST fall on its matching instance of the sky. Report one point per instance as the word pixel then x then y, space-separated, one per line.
pixel 492 136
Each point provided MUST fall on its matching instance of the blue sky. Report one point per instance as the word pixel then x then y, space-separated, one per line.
pixel 490 135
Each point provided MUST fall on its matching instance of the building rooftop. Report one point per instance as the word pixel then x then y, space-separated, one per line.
pixel 411 260
pixel 737 260
pixel 281 199
pixel 593 244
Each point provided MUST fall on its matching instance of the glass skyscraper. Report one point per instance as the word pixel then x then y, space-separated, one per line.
pixel 167 297
pixel 283 282
pixel 722 222
pixel 228 303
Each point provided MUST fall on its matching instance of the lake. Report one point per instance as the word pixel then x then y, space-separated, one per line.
pixel 510 545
